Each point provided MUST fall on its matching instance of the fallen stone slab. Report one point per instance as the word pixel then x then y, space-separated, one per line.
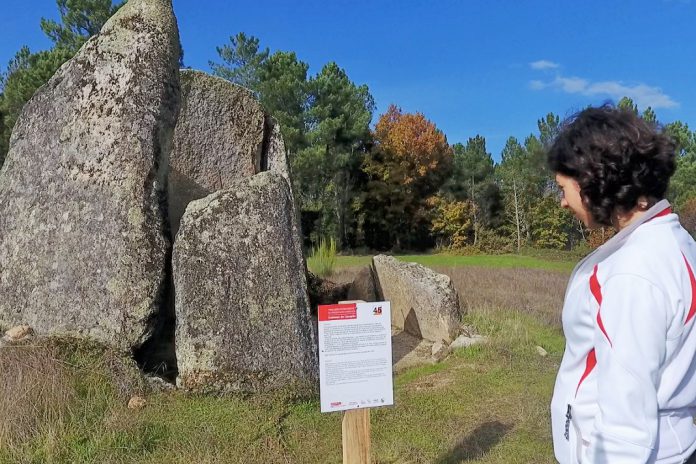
pixel 423 302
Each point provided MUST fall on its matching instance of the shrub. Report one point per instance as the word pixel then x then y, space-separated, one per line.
pixel 687 215
pixel 452 221
pixel 323 258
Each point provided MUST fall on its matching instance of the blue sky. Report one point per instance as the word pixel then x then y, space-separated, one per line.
pixel 488 67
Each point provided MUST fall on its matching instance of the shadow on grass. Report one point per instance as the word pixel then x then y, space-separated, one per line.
pixel 476 444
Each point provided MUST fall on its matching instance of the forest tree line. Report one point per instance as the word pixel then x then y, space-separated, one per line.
pixel 397 185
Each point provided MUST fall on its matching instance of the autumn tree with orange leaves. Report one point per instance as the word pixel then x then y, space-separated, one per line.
pixel 411 159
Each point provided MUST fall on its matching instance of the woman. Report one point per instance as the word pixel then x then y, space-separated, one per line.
pixel 626 387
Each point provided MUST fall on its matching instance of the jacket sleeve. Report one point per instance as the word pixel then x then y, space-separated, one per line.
pixel 630 345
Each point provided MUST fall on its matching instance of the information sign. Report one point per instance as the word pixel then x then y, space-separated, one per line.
pixel 355 356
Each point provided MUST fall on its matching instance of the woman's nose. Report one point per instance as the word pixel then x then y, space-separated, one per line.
pixel 564 203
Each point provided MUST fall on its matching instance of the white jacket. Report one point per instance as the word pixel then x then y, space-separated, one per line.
pixel 626 388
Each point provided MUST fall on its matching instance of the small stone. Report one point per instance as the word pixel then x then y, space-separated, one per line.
pixel 136 402
pixel 463 341
pixel 18 333
pixel 158 384
pixel 440 351
pixel 542 352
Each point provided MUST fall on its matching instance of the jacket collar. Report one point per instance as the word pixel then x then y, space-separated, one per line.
pixel 659 209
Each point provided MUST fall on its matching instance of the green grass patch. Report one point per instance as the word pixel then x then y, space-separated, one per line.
pixel 483 404
pixel 322 259
pixel 495 261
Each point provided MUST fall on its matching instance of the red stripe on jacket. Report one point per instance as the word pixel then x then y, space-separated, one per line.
pixel 664 212
pixel 590 363
pixel 596 290
pixel 692 279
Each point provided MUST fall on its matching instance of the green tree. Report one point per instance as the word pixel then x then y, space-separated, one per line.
pixel 79 20
pixel 627 104
pixel 282 89
pixel 649 115
pixel 453 221
pixel 682 186
pixel 523 179
pixel 473 179
pixel 242 61
pixel 552 224
pixel 338 118
pixel 549 127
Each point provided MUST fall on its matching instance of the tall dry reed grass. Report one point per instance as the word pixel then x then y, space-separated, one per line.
pixel 52 389
pixel 36 393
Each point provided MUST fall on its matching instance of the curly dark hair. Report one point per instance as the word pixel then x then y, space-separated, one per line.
pixel 616 157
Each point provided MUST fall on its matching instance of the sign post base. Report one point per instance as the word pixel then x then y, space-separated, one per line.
pixel 356 436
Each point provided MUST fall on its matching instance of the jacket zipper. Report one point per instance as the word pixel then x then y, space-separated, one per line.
pixel 569 417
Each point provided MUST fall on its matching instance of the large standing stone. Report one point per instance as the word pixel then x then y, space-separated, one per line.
pixel 243 319
pixel 82 248
pixel 219 138
pixel 423 302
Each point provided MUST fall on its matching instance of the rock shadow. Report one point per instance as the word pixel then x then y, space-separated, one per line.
pixel 157 356
pixel 403 343
pixel 475 445
pixel 411 324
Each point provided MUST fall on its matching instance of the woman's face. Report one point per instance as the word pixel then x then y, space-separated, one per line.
pixel 572 200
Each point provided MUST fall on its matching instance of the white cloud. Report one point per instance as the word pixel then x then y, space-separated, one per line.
pixel 642 95
pixel 543 64
pixel 570 84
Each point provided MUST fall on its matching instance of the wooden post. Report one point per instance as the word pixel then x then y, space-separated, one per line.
pixel 356 436
pixel 356 430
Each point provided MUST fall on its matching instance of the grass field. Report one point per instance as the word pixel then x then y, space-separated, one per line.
pixel 496 261
pixel 484 404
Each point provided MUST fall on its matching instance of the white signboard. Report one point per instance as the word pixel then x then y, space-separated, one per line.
pixel 355 356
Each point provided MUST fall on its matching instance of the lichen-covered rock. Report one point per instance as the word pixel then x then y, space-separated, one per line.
pixel 243 319
pixel 218 139
pixel 423 302
pixel 82 248
pixel 275 157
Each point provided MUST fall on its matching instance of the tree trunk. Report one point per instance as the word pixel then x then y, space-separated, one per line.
pixel 473 201
pixel 517 217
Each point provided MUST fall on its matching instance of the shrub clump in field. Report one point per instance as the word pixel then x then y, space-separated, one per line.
pixel 323 258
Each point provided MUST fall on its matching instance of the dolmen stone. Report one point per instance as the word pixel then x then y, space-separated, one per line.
pixel 219 138
pixel 363 286
pixel 423 302
pixel 82 242
pixel 243 320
